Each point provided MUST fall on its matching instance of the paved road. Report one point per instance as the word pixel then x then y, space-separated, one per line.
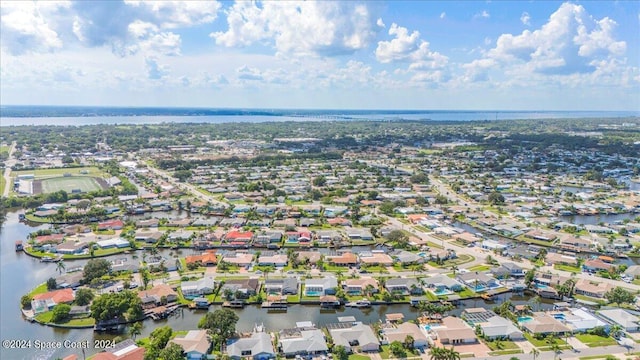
pixel 7 171
pixel 187 187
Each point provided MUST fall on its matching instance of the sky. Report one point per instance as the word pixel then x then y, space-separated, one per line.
pixel 466 55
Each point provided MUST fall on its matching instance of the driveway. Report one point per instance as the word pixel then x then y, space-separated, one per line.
pixel 576 344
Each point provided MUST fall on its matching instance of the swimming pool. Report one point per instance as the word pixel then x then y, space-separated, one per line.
pixel 314 293
pixel 524 319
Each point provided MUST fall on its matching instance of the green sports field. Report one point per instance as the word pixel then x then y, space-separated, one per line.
pixel 68 184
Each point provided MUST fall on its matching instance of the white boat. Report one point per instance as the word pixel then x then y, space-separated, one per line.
pixel 359 304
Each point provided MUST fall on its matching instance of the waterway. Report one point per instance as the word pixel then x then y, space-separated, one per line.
pixel 19 273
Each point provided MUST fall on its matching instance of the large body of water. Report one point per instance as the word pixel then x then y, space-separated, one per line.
pixel 77 116
pixel 20 273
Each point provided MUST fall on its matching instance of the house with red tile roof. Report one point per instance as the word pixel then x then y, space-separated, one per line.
pixel 239 238
pixel 111 225
pixel 46 301
pixel 207 258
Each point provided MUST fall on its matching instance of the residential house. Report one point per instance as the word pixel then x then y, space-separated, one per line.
pixel 277 260
pixel 359 286
pixel 443 285
pixel 628 321
pixel 286 286
pixel 72 247
pixel 497 327
pixel 555 258
pixel 578 320
pixel 358 233
pixel 311 256
pixel 302 341
pixel 477 281
pixel 238 258
pixel 320 286
pixel 111 225
pixel 591 288
pixel 544 324
pixel 150 237
pixel 243 287
pixel 406 258
pixel 540 235
pixel 180 222
pixel 266 238
pixel 375 258
pixel 239 238
pixel 298 237
pixel 575 243
pixel 327 236
pixel 180 235
pixel 195 344
pixel 113 243
pixel 207 258
pixel 404 286
pixel 197 288
pixel 256 347
pixel 150 223
pixel 455 332
pixel 124 350
pixel 354 334
pixel 596 265
pixel 400 332
pixel 155 296
pixel 46 301
pixel 345 259
pixel 507 270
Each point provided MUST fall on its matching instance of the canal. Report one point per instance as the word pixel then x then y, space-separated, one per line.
pixel 20 273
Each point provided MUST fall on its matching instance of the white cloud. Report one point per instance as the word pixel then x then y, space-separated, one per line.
pixel 380 23
pixel 484 14
pixel 26 27
pixel 525 19
pixel 155 71
pixel 570 48
pixel 175 14
pixel 300 28
pixel 443 15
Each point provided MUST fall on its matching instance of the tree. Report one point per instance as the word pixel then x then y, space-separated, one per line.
pixel 454 268
pixel 615 330
pixel 495 198
pixel 60 313
pixel 409 342
pixel 319 181
pixel 172 352
pixel 535 352
pixel 135 329
pixel 221 324
pixel 397 349
pixel 157 342
pixel 620 295
pixel 84 296
pixel 25 301
pixel 52 284
pixel 529 276
pixel 340 353
pixel 399 237
pixel 110 306
pixel 145 276
pixel 419 178
pixel 95 268
pixel 60 267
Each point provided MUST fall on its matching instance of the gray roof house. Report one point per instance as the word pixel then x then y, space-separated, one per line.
pixel 628 321
pixel 256 347
pixel 319 287
pixel 444 282
pixel 406 257
pixel 404 286
pixel 352 334
pixel 281 286
pixel 302 341
pixel 498 327
pixel 197 288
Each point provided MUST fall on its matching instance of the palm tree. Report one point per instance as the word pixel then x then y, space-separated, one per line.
pixel 60 267
pixel 556 350
pixel 537 300
pixel 615 330
pixel 535 352
pixel 135 330
pixel 454 268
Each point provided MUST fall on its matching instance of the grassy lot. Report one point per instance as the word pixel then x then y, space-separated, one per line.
pixel 595 340
pixel 480 268
pixel 88 321
pixel 504 345
pixel 505 352
pixel 569 268
pixel 542 343
pixel 587 298
pixel 45 173
pixel 3 183
pixel 41 289
pixel 461 259
pixel 358 357
pixel 466 293
pixel 45 317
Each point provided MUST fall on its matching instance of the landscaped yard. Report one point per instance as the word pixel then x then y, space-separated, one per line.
pixel 501 345
pixel 569 268
pixel 543 343
pixel 595 340
pixel 358 357
pixel 480 268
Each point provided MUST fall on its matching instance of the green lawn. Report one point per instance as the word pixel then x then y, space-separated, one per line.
pixel 504 345
pixel 595 340
pixel 587 298
pixel 41 289
pixel 3 183
pixel 543 343
pixel 569 268
pixel 358 357
pixel 45 317
pixel 480 268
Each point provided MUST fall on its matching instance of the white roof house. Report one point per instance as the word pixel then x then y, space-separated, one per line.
pixel 354 334
pixel 621 317
pixel 298 341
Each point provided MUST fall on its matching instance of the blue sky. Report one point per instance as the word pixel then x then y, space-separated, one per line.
pixel 505 55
